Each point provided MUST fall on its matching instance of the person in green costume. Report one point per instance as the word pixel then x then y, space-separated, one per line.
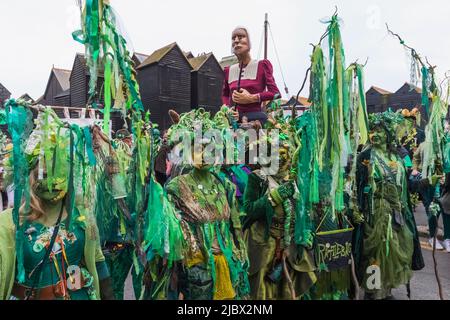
pixel 279 268
pixel 76 267
pixel 387 249
pixel 429 193
pixel 214 265
pixel 117 232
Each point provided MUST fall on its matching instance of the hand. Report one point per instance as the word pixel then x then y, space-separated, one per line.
pixel 235 114
pixel 244 97
pixel 358 218
pixel 283 192
pixel 287 190
pixel 435 179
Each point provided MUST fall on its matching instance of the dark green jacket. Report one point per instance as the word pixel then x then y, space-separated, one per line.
pixel 256 203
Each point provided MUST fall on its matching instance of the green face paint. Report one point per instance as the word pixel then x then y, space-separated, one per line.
pixel 378 137
pixel 58 191
pixel 199 161
pixel 284 164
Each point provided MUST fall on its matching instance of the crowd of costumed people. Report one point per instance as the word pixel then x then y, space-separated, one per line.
pixel 328 216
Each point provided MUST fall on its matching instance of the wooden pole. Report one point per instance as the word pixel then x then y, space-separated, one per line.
pixel 266 25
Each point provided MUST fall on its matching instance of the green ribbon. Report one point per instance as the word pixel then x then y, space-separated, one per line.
pixel 70 205
pixel 107 86
pixel 89 150
pixel 19 119
pixel 363 118
pixel 425 91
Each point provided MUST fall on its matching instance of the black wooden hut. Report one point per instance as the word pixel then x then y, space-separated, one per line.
pixel 165 83
pixel 63 99
pixel 79 90
pixel 27 98
pixel 407 97
pixel 138 58
pixel 206 83
pixel 4 94
pixel 377 99
pixel 57 91
pixel 79 83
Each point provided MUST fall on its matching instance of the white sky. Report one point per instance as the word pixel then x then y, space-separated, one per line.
pixel 37 34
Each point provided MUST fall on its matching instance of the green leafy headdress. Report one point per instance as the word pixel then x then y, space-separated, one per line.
pixel 195 125
pixel 389 121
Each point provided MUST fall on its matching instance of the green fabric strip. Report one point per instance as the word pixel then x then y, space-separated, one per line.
pixel 89 150
pixel 107 86
pixel 19 119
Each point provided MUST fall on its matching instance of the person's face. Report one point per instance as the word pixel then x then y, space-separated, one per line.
pixel 239 41
pixel 378 137
pixel 279 165
pixel 198 156
pixel 41 189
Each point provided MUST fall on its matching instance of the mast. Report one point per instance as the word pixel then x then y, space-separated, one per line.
pixel 266 24
pixel 266 38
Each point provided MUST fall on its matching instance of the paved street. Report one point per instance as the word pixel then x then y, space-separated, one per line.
pixel 423 285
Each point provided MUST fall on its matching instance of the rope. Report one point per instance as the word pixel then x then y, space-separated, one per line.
pixel 261 40
pixel 278 59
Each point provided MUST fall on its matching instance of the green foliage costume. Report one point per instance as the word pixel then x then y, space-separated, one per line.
pixel 328 138
pixel 124 218
pixel 264 223
pixel 90 252
pixel 209 260
pixel 54 149
pixel 215 250
pixel 388 239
